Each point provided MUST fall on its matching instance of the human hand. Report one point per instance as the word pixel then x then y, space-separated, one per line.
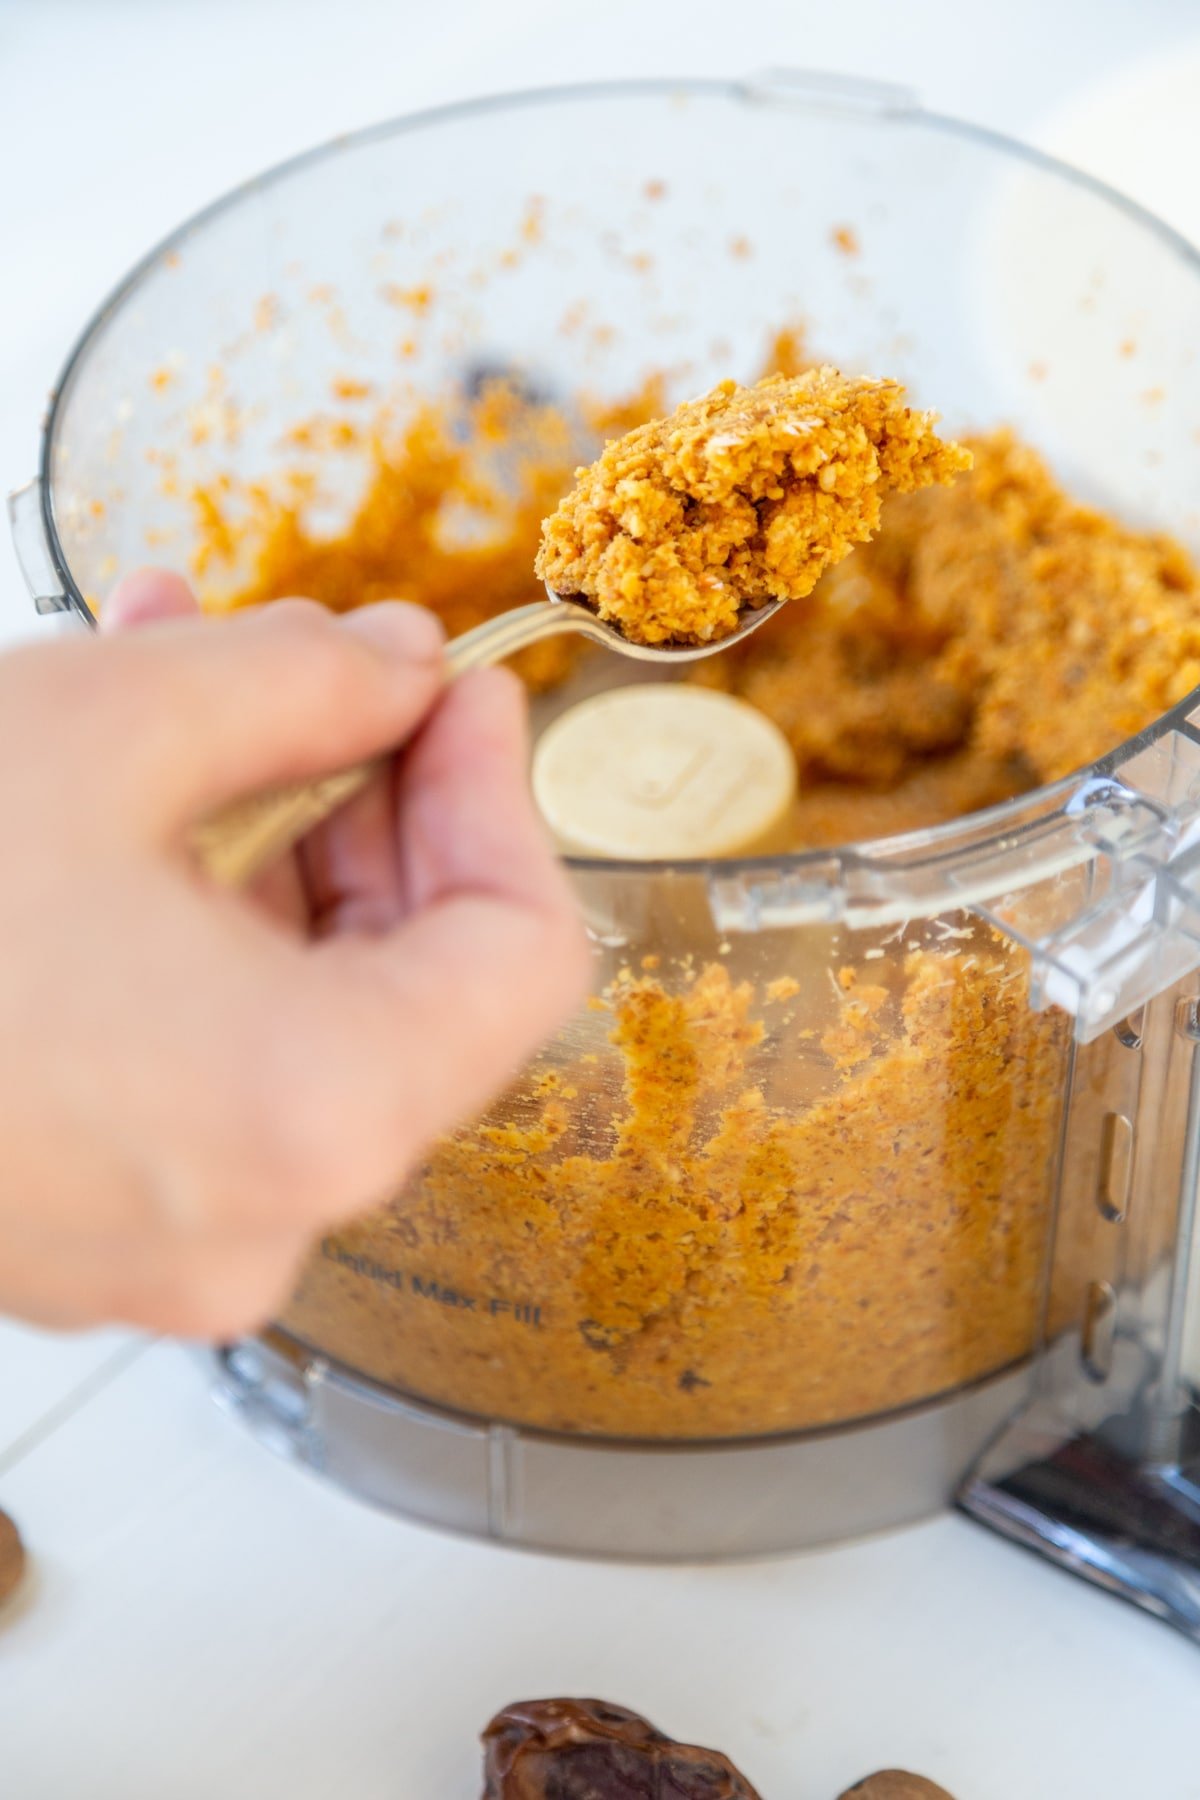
pixel 194 1083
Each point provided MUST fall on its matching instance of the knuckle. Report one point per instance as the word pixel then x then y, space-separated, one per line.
pixel 328 663
pixel 306 621
pixel 295 1165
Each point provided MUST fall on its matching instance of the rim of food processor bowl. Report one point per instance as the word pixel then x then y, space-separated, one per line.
pixel 936 845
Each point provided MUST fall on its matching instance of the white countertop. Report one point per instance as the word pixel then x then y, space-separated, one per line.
pixel 206 1621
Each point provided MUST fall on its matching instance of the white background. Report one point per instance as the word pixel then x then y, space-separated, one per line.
pixel 206 1622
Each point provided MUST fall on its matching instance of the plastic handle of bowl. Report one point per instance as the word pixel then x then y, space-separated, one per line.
pixel 32 550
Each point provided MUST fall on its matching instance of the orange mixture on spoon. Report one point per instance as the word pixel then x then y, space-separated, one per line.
pixel 745 495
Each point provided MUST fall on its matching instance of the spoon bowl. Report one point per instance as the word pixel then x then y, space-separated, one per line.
pixel 589 624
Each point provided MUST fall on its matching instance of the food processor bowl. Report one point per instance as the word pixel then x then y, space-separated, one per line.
pixel 854 1155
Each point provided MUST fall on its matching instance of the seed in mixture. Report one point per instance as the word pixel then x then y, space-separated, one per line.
pixel 745 495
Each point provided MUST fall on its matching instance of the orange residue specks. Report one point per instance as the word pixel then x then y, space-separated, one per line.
pixel 96 508
pixel 741 248
pixel 610 418
pixel 417 299
pixel 1038 371
pixel 323 434
pixel 845 239
pixel 1154 396
pixel 655 189
pixel 216 537
pixel 162 379
pixel 168 463
pixel 449 518
pixel 787 353
pixel 267 313
pixel 345 387
pixel 534 219
pixel 1127 347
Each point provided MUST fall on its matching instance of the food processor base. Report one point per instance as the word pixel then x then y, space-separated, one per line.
pixel 625 1499
pixel 1103 1506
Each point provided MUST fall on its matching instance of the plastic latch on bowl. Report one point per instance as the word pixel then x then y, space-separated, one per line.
pixel 817 88
pixel 1102 889
pixel 760 899
pixel 1121 921
pixel 33 552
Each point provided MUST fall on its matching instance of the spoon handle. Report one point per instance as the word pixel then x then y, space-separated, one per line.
pixel 235 843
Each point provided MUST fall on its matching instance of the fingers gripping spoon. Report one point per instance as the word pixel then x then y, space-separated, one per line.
pixel 243 838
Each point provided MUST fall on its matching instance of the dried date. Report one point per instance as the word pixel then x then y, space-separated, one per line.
pixel 589 1750
pixel 12 1558
pixel 895 1784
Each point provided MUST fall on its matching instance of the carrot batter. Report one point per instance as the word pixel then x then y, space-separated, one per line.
pixel 744 495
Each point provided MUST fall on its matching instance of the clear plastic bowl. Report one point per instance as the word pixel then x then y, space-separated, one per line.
pixel 758 1252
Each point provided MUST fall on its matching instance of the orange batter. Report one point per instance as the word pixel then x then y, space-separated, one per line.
pixel 744 495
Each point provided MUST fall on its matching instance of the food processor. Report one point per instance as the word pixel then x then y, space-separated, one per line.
pixel 867 1176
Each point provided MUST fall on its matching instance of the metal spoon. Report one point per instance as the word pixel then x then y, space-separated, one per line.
pixel 243 838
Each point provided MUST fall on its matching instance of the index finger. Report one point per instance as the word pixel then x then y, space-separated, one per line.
pixel 190 713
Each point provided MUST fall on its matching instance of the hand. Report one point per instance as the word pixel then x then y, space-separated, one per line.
pixel 194 1083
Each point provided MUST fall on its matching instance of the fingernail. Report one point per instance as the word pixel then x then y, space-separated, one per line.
pixel 146 594
pixel 399 629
